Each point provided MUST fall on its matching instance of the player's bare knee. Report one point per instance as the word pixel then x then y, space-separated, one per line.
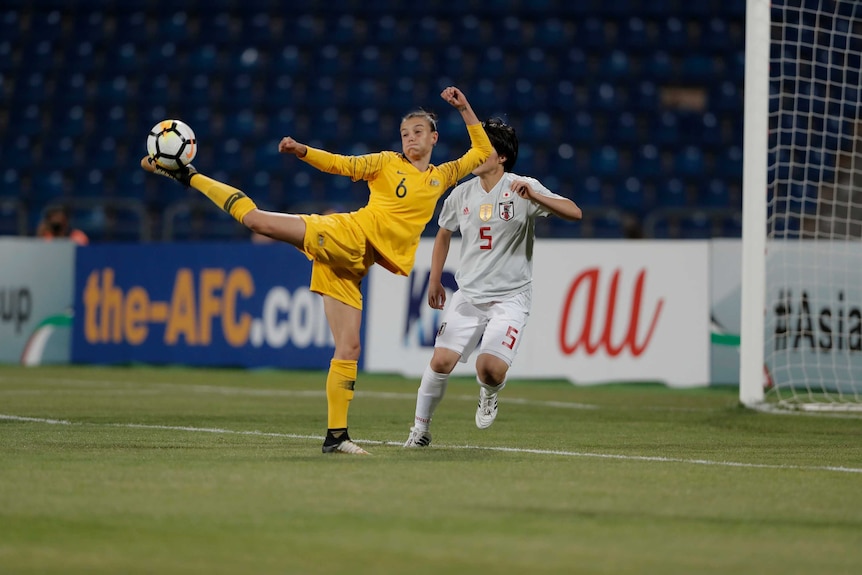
pixel 255 223
pixel 444 360
pixel 491 370
pixel 347 350
pixel 442 365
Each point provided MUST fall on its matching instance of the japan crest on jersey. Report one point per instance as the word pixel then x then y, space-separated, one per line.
pixel 507 210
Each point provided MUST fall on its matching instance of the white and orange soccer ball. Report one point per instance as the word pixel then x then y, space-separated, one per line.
pixel 172 144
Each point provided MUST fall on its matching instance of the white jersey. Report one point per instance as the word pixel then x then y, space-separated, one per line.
pixel 497 230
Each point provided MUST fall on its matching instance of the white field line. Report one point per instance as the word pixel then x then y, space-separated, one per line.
pixel 561 453
pixel 120 387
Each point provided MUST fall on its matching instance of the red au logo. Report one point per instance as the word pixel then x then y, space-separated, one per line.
pixel 589 279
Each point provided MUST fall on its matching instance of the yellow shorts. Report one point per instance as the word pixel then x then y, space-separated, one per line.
pixel 341 256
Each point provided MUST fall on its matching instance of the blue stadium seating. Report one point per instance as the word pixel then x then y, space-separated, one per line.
pixel 584 82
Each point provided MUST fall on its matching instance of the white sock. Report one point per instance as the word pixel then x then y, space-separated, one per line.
pixel 489 389
pixel 431 391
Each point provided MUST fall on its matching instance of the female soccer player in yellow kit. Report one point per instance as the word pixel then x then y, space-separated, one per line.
pixel 404 189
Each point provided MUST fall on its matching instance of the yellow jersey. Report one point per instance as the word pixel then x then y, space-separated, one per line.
pixel 402 199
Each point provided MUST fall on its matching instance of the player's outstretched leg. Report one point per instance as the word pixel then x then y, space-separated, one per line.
pixel 226 197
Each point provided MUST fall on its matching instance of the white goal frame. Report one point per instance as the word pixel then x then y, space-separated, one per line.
pixel 754 181
pixel 753 374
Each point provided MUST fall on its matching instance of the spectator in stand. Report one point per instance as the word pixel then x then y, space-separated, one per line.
pixel 56 224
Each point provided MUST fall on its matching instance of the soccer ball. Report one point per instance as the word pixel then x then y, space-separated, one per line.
pixel 172 144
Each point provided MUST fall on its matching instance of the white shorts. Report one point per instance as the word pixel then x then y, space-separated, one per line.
pixel 499 324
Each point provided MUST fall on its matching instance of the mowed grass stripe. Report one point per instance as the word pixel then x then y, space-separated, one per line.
pixel 119 386
pixel 551 452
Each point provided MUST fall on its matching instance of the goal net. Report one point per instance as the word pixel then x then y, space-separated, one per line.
pixel 811 255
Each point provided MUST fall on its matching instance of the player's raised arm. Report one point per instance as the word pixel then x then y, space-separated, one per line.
pixel 458 100
pixel 480 145
pixel 288 145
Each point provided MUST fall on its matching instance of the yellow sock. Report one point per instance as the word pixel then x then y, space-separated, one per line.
pixel 228 198
pixel 339 391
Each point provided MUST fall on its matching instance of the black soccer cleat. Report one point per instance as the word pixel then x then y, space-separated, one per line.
pixel 181 175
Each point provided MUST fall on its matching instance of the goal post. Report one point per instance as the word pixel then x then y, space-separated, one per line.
pixel 801 334
pixel 754 171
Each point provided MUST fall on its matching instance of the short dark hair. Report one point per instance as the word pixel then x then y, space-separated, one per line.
pixel 504 139
pixel 431 117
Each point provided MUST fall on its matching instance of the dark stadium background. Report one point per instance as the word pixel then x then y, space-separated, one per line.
pixel 633 108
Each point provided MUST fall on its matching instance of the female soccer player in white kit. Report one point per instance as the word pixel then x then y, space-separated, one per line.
pixel 495 213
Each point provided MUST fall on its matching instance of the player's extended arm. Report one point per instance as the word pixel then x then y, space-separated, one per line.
pixel 356 167
pixel 288 145
pixel 561 207
pixel 480 145
pixel 436 291
pixel 458 100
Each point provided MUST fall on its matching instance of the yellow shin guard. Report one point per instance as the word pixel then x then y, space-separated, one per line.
pixel 339 391
pixel 228 198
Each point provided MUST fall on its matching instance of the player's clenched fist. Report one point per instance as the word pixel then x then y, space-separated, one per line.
pixel 288 145
pixel 454 96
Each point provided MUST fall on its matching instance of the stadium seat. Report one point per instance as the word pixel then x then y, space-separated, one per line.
pixel 696 225
pixel 647 161
pixel 664 128
pixel 726 96
pixel 560 228
pixel 59 153
pixel 729 163
pixel 731 226
pixel 49 185
pixel 635 34
pixel 204 58
pixel 73 88
pixel 605 161
pixel 553 32
pixel 624 129
pixel 30 120
pixel 13 217
pixel 347 30
pixel 645 98
pixel 591 32
pixel 10 25
pixel 699 67
pixel 13 186
pixel 673 194
pixel 575 63
pixel 31 88
pixel 537 65
pixel 608 225
pixel 717 35
pixel 472 32
pixel 689 162
pixel 607 96
pixel 658 66
pixel 563 98
pixel 112 89
pixel 7 51
pixel 538 127
pixel 589 193
pixel 674 35
pixel 716 194
pixel 631 195
pixel 615 66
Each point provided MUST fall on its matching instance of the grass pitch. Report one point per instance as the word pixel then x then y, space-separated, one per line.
pixel 192 471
